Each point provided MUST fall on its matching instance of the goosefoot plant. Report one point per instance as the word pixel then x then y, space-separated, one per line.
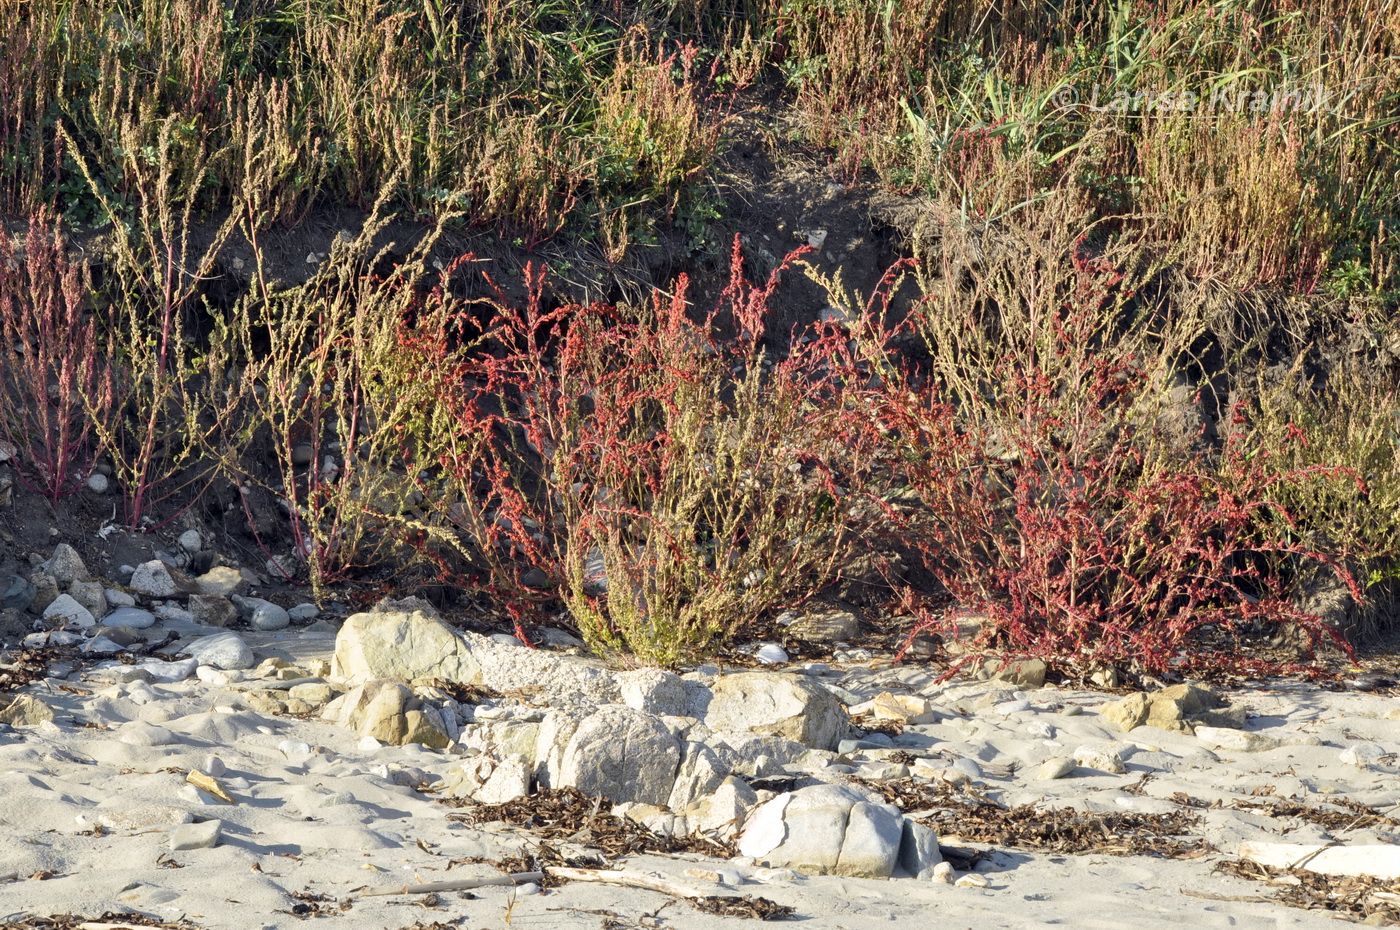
pixel 1037 489
pixel 53 359
pixel 668 483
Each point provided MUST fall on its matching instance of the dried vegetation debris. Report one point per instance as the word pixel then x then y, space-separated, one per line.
pixel 1358 897
pixel 971 816
pixel 569 815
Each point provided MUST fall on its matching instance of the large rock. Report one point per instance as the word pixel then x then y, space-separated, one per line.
pixel 389 712
pixel 836 829
pixel 622 755
pixel 153 579
pixel 1173 708
pixel 402 646
pixel 776 704
pixel 222 650
pixel 411 643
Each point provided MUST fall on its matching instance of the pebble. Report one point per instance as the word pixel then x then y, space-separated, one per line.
pixel 213 766
pixel 294 749
pixel 189 541
pixel 971 880
pixel 138 733
pixel 943 872
pixel 1052 769
pixel 97 483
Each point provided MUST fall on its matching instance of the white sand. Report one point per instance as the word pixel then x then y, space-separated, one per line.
pixel 343 818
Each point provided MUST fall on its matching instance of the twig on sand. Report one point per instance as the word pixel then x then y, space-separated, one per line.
pixel 456 884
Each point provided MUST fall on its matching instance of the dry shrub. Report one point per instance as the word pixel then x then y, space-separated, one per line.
pixel 1301 421
pixel 1036 478
pixel 323 405
pixel 669 484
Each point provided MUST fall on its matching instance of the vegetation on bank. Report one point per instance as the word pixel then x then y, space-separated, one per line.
pixel 1132 391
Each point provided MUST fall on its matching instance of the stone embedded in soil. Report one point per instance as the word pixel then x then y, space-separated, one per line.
pixel 153 579
pixel 227 651
pixel 1173 708
pixel 1236 740
pixel 16 593
pixel 1100 758
pixel 190 541
pixel 202 835
pixel 774 704
pixel 829 626
pixel 221 581
pixel 212 610
pixel 24 710
pixel 45 591
pixel 389 712
pixel 403 646
pixel 66 565
pixel 623 755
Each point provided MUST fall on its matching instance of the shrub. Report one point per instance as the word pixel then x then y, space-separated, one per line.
pixel 53 358
pixel 668 483
pixel 1349 416
pixel 1037 486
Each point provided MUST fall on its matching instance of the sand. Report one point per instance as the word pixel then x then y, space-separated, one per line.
pixel 88 805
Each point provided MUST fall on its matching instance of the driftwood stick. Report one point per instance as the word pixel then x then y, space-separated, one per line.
pixel 456 884
pixel 624 877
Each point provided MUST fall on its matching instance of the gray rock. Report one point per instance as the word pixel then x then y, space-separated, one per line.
pixel 304 612
pixel 66 565
pixel 91 595
pixel 654 691
pixel 68 612
pixel 133 618
pixel 212 610
pixel 919 854
pixel 98 483
pixel 776 704
pixel 45 591
pixel 203 835
pixel 622 755
pixel 830 626
pixel 222 650
pixel 269 617
pixel 826 829
pixel 153 579
pixel 118 598
pixel 190 541
pixel 16 593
